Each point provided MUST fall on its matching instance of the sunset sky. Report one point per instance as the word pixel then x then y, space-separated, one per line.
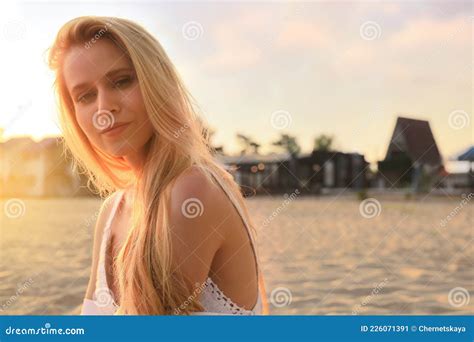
pixel 342 68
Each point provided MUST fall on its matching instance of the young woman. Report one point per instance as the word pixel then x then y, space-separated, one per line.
pixel 174 235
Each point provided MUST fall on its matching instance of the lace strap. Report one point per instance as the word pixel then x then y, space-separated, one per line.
pixel 219 302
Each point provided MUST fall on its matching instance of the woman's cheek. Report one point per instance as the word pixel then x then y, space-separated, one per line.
pixel 86 125
pixel 134 99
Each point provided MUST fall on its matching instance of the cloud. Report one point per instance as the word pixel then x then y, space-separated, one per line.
pixel 410 48
pixel 431 32
pixel 236 44
pixel 250 37
pixel 233 50
pixel 303 34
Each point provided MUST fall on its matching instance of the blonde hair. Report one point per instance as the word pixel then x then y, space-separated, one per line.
pixel 147 284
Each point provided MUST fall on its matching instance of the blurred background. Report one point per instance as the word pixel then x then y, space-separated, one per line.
pixel 348 125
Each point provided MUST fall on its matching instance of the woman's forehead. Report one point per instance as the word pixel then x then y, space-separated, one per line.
pixel 86 65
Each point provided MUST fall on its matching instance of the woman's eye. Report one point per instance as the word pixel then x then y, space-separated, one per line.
pixel 122 82
pixel 85 98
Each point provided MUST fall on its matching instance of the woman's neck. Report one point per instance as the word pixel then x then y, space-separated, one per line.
pixel 137 160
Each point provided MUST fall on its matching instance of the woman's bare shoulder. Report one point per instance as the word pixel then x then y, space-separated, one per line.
pixel 195 190
pixel 197 223
pixel 193 179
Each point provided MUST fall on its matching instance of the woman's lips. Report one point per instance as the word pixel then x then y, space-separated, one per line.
pixel 115 130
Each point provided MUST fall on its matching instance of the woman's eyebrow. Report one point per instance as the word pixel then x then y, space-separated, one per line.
pixel 108 75
pixel 116 71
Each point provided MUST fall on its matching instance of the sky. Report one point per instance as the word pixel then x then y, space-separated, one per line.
pixel 343 68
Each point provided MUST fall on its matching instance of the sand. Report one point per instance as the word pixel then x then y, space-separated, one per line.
pixel 318 255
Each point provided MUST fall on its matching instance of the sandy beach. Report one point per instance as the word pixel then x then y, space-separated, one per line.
pixel 319 255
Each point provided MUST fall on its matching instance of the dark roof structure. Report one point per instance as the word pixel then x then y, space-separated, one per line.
pixel 415 138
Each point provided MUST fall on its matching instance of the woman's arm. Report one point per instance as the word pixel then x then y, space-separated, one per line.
pixel 197 230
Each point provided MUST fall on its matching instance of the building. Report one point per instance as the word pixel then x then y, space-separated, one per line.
pixel 460 172
pixel 257 173
pixel 311 173
pixel 37 169
pixel 413 158
pixel 324 170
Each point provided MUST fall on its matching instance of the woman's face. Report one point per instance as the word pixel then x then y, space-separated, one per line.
pixel 107 99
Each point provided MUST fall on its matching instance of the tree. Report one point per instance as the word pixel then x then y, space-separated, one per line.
pixel 323 142
pixel 289 144
pixel 208 134
pixel 247 144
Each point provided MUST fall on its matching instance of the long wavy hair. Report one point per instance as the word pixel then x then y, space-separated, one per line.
pixel 147 284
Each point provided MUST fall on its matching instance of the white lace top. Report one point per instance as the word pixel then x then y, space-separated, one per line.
pixel 214 301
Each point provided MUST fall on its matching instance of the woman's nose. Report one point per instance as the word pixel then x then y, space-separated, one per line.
pixel 107 109
pixel 108 101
